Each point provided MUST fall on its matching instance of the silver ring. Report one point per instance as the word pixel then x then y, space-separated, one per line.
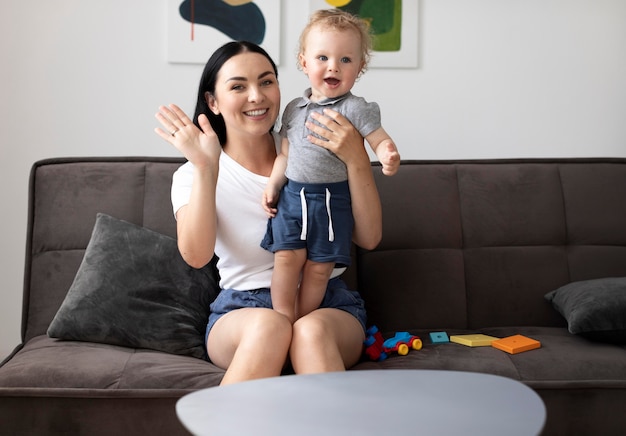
pixel 173 132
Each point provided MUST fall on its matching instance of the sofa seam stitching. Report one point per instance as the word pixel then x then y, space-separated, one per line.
pixel 458 190
pixel 565 222
pixel 123 371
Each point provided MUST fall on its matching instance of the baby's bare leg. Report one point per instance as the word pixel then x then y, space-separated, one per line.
pixel 315 277
pixel 284 288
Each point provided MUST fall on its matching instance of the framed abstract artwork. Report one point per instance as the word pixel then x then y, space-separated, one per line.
pixel 197 27
pixel 394 25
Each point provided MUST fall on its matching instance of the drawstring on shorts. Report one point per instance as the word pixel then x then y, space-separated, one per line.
pixel 303 233
pixel 331 233
pixel 305 214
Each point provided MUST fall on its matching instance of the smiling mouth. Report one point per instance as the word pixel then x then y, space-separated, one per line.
pixel 256 112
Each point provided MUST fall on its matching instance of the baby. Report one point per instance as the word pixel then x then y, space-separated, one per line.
pixel 307 197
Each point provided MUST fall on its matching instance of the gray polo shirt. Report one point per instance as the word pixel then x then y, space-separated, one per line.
pixel 310 163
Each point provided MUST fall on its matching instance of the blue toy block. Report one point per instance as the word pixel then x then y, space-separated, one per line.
pixel 439 338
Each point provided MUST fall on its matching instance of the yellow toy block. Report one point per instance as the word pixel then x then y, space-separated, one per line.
pixel 475 340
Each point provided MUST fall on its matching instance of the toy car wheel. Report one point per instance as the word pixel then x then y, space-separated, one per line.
pixel 417 344
pixel 403 349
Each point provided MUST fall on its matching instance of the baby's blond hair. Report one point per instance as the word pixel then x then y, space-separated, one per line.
pixel 339 20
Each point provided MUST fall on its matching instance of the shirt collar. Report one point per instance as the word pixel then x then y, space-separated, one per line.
pixel 306 99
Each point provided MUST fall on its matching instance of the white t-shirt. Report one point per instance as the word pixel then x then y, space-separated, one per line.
pixel 241 223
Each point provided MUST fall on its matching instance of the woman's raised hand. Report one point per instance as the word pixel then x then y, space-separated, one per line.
pixel 199 146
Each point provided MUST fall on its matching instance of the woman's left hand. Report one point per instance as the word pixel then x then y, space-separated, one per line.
pixel 338 135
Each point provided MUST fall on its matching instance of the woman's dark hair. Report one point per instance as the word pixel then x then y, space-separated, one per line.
pixel 209 77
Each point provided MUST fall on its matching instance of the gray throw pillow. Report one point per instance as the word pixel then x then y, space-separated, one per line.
pixel 595 309
pixel 134 289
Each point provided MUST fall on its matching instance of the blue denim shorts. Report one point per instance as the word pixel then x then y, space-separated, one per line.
pixel 314 216
pixel 337 296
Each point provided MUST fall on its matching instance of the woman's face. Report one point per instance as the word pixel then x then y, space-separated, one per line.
pixel 246 95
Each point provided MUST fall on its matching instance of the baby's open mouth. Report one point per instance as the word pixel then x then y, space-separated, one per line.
pixel 332 81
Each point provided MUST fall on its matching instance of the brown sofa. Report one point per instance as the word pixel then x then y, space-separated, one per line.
pixel 468 247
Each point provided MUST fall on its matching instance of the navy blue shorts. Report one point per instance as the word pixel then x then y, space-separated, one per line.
pixel 315 216
pixel 337 296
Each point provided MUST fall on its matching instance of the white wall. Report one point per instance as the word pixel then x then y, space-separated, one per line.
pixel 497 78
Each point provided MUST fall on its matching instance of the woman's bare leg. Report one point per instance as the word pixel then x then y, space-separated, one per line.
pixel 326 340
pixel 250 343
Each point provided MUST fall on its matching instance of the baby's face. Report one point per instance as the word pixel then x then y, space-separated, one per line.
pixel 332 60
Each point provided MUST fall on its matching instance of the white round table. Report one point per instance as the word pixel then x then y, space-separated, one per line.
pixel 377 402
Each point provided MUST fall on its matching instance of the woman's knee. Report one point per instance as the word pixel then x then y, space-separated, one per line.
pixel 250 344
pixel 314 346
pixel 256 330
pixel 270 325
pixel 312 332
pixel 329 336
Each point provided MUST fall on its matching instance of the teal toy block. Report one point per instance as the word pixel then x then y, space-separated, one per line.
pixel 439 338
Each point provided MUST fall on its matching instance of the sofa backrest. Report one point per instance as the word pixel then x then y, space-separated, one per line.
pixel 476 244
pixel 465 244
pixel 64 197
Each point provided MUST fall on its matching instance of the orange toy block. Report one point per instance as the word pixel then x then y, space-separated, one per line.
pixel 516 344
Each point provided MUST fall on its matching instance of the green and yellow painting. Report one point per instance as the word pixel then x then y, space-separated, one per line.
pixel 384 17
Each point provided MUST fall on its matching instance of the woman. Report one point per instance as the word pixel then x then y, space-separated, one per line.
pixel 231 148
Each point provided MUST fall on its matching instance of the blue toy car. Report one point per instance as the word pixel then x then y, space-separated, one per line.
pixel 401 343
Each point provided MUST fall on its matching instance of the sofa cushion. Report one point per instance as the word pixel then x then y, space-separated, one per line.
pixel 133 289
pixel 593 308
pixel 65 366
